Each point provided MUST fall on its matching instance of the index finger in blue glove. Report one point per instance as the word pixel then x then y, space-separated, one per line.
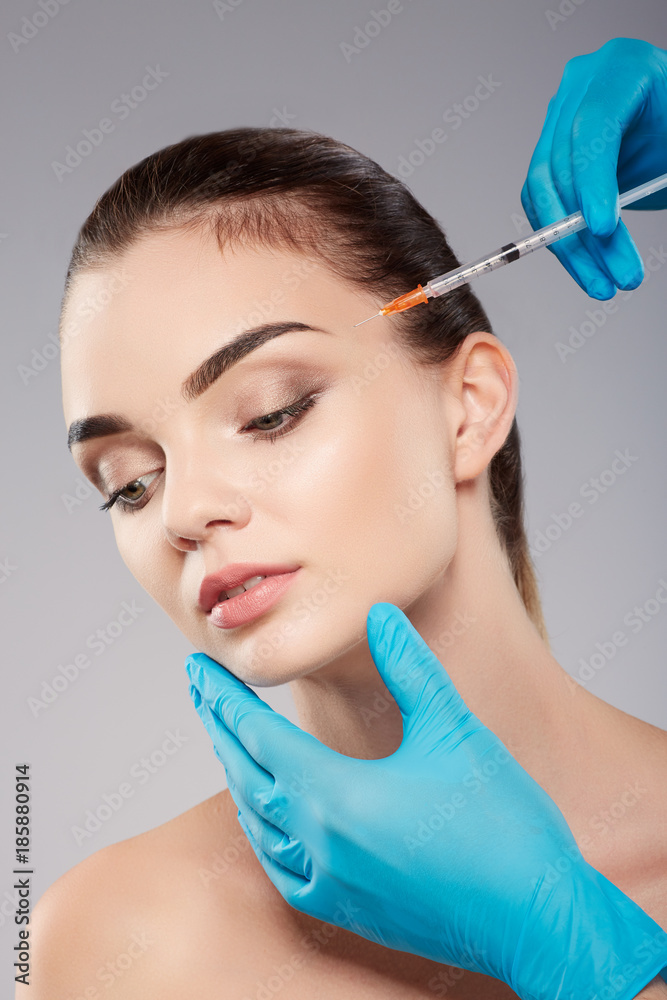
pixel 597 264
pixel 611 103
pixel 264 801
pixel 256 784
pixel 274 745
pixel 544 202
pixel 585 144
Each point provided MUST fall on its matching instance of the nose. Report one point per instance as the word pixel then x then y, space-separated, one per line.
pixel 199 499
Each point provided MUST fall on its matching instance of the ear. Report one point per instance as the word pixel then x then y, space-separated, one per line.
pixel 484 381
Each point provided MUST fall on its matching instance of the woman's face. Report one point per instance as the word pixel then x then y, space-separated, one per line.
pixel 357 491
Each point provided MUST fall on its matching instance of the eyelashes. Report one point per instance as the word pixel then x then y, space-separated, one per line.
pixel 122 502
pixel 295 410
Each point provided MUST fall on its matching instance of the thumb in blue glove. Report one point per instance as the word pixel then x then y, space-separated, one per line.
pixel 447 848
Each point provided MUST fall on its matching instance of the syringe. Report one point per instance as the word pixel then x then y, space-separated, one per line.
pixel 507 254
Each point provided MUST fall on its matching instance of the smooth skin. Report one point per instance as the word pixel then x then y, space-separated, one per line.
pixel 447 848
pixel 605 131
pixel 208 921
pixel 216 924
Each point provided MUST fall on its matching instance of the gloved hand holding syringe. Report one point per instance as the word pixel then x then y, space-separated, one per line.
pixel 509 253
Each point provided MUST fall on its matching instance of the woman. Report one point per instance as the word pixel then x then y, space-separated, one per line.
pixel 228 271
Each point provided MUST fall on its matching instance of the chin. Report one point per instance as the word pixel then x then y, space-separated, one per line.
pixel 284 646
pixel 268 657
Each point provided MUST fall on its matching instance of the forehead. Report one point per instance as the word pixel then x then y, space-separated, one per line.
pixel 172 299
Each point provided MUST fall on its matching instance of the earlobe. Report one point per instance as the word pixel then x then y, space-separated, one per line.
pixel 487 386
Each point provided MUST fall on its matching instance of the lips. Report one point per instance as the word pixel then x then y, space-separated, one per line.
pixel 234 575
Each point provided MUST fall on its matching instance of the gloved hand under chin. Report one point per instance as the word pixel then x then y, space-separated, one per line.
pixel 447 848
pixel 605 131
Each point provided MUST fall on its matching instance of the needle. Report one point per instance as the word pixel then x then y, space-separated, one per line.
pixel 397 305
pixel 509 253
pixel 367 320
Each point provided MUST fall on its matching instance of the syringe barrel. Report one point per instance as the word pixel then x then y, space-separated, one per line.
pixel 540 238
pixel 446 282
pixel 506 254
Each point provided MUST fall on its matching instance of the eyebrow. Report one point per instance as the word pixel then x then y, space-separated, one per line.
pixel 196 383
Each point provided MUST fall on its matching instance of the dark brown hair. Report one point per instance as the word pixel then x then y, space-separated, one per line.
pixel 300 190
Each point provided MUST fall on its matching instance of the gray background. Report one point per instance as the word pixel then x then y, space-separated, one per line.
pixel 273 63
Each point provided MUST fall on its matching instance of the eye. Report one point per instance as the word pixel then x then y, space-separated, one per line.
pixel 295 410
pixel 136 490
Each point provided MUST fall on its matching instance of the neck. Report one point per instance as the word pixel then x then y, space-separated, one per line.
pixel 587 755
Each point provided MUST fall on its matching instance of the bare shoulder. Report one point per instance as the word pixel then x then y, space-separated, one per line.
pixel 92 930
pixel 124 921
pixel 625 811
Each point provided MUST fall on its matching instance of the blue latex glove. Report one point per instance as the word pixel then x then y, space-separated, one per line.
pixel 447 849
pixel 605 132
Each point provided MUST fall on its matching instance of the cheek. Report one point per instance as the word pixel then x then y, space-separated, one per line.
pixel 374 509
pixel 154 564
pixel 407 517
pixel 377 493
